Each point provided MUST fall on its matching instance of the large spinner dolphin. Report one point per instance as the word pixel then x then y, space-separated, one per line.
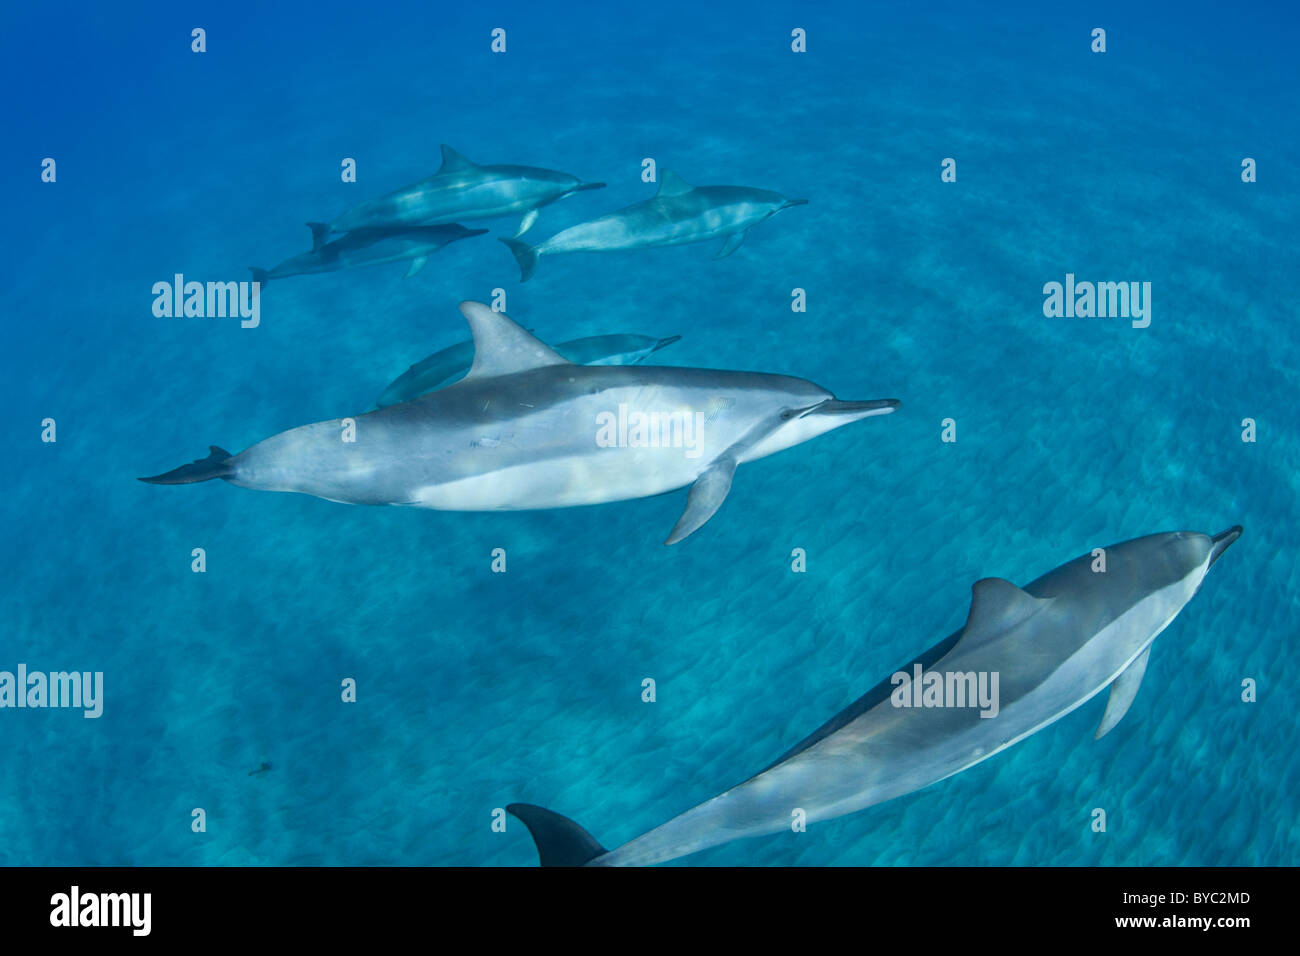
pixel 527 429
pixel 1054 645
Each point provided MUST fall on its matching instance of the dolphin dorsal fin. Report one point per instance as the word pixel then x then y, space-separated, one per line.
pixel 320 233
pixel 453 161
pixel 996 606
pixel 670 184
pixel 502 346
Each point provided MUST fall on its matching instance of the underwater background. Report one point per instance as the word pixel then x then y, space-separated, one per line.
pixel 478 689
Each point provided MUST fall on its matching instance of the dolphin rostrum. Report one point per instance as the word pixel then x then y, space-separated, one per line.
pixel 678 213
pixel 446 365
pixel 367 247
pixel 464 190
pixel 1042 651
pixel 528 429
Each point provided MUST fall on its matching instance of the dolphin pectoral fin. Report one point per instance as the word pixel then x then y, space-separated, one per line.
pixel 996 606
pixel 732 243
pixel 529 220
pixel 705 498
pixel 560 841
pixel 1122 691
pixel 502 346
pixel 319 233
pixel 452 161
pixel 416 265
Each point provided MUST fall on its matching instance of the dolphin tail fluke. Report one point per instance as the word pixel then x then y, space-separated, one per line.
pixel 216 465
pixel 525 255
pixel 259 276
pixel 560 841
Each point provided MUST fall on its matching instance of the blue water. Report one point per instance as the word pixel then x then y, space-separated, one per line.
pixel 478 689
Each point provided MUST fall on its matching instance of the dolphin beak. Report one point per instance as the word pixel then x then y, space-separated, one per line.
pixel 664 343
pixel 794 202
pixel 853 410
pixel 1222 540
pixel 581 186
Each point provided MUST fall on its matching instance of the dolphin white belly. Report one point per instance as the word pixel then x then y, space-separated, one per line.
pixel 563 482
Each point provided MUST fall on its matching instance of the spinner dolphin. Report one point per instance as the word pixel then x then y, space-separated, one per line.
pixel 1052 645
pixel 678 213
pixel 526 429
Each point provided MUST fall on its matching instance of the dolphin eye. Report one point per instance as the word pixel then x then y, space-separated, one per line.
pixel 787 415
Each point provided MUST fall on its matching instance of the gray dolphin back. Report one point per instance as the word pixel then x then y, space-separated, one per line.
pixel 447 365
pixel 429 373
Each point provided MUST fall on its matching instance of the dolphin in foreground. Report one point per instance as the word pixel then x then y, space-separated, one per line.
pixel 1053 644
pixel 678 213
pixel 367 247
pixel 451 363
pixel 527 428
pixel 461 190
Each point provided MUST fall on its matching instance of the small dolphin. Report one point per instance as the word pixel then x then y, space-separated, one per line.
pixel 463 190
pixel 526 428
pixel 367 247
pixel 445 366
pixel 1052 646
pixel 678 213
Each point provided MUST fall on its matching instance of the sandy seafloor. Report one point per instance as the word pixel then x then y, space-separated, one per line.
pixel 477 689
